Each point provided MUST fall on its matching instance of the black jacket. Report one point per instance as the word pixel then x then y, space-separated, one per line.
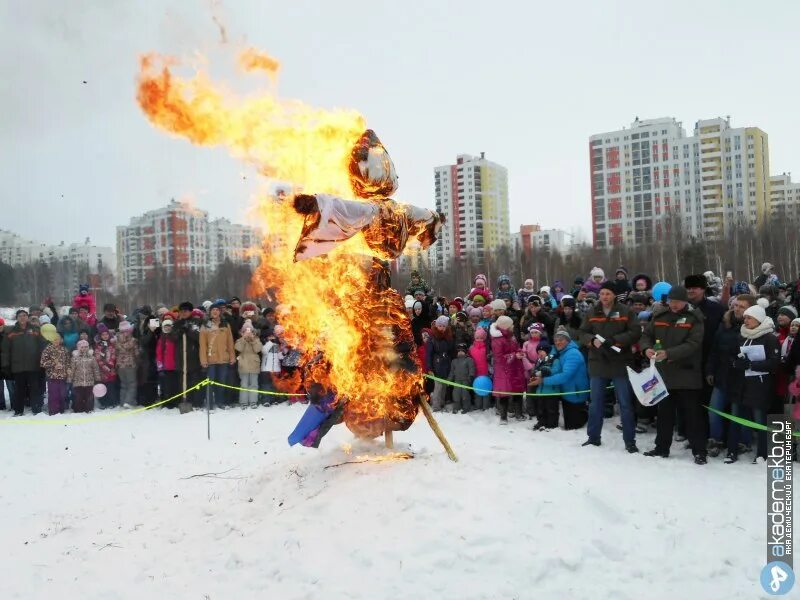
pixel 22 349
pixel 724 349
pixel 189 330
pixel 712 317
pixel 756 391
pixel 681 335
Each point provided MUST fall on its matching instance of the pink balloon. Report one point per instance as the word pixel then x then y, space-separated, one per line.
pixel 99 390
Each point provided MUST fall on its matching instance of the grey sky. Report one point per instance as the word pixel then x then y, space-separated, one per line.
pixel 525 82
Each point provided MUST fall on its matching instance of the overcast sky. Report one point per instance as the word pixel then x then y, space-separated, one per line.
pixel 526 82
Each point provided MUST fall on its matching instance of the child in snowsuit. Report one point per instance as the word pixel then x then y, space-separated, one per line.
pixel 545 405
pixel 479 352
pixel 462 371
pixel 55 361
pixel 83 373
pixel 105 353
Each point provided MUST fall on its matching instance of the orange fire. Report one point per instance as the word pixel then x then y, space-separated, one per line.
pixel 333 304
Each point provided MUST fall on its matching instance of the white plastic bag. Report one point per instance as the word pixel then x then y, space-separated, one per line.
pixel 648 385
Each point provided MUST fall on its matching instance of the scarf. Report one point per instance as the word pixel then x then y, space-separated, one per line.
pixel 766 326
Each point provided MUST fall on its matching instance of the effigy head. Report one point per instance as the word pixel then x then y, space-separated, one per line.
pixel 372 173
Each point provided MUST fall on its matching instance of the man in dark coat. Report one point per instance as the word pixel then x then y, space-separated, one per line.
pixel 609 331
pixel 679 331
pixel 21 354
pixel 187 332
pixel 110 317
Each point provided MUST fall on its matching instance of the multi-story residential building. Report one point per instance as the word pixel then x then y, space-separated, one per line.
pixel 180 239
pixel 651 181
pixel 531 239
pixel 70 264
pixel 784 197
pixel 473 195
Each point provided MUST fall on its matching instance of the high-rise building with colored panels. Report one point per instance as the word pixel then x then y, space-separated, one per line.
pixel 473 195
pixel 651 181
pixel 181 240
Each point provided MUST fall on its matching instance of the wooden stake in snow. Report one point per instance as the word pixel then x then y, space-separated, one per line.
pixel 388 437
pixel 426 408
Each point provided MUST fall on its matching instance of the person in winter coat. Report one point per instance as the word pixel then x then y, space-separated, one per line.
pixel 752 381
pixel 146 332
pixel 609 332
pixel 504 286
pixel 569 375
pixel 530 349
pixel 187 332
pixel 509 373
pixel 21 356
pixel 480 287
pixel 69 332
pixel 127 354
pixel 479 352
pixel 419 321
pixel 678 330
pixel 110 317
pixel 417 283
pixel 55 362
pixel 621 284
pixel 217 352
pixel 577 285
pixel 167 361
pixel 568 318
pixel 643 284
pixel 535 313
pixel 439 354
pixel 549 301
pixel 487 319
pixel 83 373
pixel 767 272
pixel 597 278
pixel 724 349
pixel 85 299
pixel 462 330
pixel 462 371
pixel 544 398
pixel 248 346
pixel 272 352
pixel 105 353
pixel 525 292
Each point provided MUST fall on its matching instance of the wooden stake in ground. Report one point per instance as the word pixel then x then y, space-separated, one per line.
pixel 426 408
pixel 388 437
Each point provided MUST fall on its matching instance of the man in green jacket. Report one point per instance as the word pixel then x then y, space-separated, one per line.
pixel 609 330
pixel 22 351
pixel 674 338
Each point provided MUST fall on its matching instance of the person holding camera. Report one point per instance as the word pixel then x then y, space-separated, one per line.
pixel 609 331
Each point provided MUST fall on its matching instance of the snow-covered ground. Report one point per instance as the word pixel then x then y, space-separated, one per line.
pixel 107 510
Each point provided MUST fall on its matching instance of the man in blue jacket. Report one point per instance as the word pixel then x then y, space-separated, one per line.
pixel 571 377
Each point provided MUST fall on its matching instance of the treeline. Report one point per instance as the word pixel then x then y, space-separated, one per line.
pixel 742 252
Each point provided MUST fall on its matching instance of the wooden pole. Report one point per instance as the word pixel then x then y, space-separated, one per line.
pixel 426 408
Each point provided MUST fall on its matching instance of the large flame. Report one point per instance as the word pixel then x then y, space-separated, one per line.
pixel 332 302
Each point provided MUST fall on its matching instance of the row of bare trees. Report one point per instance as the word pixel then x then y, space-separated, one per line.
pixel 742 252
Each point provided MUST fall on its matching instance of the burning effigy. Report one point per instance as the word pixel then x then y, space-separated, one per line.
pixel 359 360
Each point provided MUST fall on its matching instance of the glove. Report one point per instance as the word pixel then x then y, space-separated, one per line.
pixel 741 363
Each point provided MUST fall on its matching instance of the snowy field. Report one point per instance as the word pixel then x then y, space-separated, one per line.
pixel 107 511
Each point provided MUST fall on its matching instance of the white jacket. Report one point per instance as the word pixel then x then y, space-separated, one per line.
pixel 271 357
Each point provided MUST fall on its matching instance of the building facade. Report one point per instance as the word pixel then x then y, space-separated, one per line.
pixel 182 241
pixel 69 264
pixel 784 197
pixel 473 196
pixel 651 181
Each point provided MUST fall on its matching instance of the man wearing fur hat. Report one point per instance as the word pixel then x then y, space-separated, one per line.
pixel 767 274
pixel 609 331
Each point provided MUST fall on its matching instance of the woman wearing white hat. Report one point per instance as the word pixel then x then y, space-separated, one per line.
pixel 752 378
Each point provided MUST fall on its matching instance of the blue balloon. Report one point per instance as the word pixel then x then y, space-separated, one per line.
pixel 660 290
pixel 483 385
